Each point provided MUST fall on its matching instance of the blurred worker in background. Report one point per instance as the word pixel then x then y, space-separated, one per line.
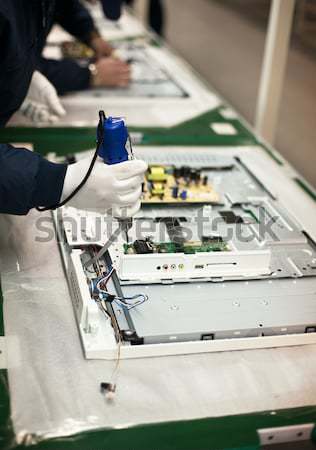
pixel 66 75
pixel 156 12
pixel 27 180
pixel 156 15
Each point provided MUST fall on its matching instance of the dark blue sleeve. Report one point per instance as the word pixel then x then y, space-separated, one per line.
pixel 28 180
pixel 75 19
pixel 65 75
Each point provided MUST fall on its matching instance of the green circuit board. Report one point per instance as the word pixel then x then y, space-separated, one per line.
pixel 144 247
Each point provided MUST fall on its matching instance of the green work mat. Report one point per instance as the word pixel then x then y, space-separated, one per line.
pixel 193 132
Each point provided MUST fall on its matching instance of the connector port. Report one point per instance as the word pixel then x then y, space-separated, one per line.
pixel 310 330
pixel 207 337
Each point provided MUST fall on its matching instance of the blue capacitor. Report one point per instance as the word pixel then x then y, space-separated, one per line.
pixel 184 195
pixel 113 149
pixel 175 192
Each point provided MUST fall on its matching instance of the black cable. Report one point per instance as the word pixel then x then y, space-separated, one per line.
pixel 100 128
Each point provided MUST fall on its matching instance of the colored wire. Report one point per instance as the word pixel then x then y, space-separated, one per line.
pixel 104 281
pixel 124 301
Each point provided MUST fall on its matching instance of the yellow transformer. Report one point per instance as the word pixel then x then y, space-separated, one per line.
pixel 157 173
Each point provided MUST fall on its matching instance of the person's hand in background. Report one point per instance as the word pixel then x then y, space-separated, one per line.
pixel 101 47
pixel 42 103
pixel 110 72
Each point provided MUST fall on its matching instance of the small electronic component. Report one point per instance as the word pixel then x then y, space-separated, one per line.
pixel 170 184
pixel 142 247
pixel 108 389
pixel 190 247
pixel 157 174
pixel 230 217
pixel 212 239
pixel 175 192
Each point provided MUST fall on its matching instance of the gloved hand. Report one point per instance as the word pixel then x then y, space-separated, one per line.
pixel 42 103
pixel 111 72
pixel 116 187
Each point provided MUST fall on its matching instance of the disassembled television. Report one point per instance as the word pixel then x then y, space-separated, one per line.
pixel 221 256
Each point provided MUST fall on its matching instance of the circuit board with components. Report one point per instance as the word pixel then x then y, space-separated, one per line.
pixel 182 185
pixel 189 247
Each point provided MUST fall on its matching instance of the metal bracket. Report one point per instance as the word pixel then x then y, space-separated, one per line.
pixel 281 435
pixel 3 353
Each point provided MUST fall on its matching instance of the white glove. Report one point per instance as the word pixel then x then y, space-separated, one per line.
pixel 42 103
pixel 116 187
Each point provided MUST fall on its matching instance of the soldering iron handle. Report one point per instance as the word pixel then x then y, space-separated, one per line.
pixel 113 148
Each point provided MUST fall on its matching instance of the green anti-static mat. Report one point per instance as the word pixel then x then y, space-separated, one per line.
pixel 231 432
pixel 194 132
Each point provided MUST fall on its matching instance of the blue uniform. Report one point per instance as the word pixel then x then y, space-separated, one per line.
pixel 67 75
pixel 26 179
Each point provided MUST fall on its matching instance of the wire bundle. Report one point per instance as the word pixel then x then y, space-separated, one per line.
pixel 99 288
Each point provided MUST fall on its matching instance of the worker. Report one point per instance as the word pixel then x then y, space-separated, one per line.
pixel 42 103
pixel 156 15
pixel 68 75
pixel 27 180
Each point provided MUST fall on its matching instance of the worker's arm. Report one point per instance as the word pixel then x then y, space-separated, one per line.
pixel 28 180
pixel 65 75
pixel 76 19
pixel 2 32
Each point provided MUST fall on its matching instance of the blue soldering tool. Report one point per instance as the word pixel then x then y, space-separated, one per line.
pixel 114 147
pixel 114 141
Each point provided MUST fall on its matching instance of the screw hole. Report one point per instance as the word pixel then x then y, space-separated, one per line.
pixel 271 437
